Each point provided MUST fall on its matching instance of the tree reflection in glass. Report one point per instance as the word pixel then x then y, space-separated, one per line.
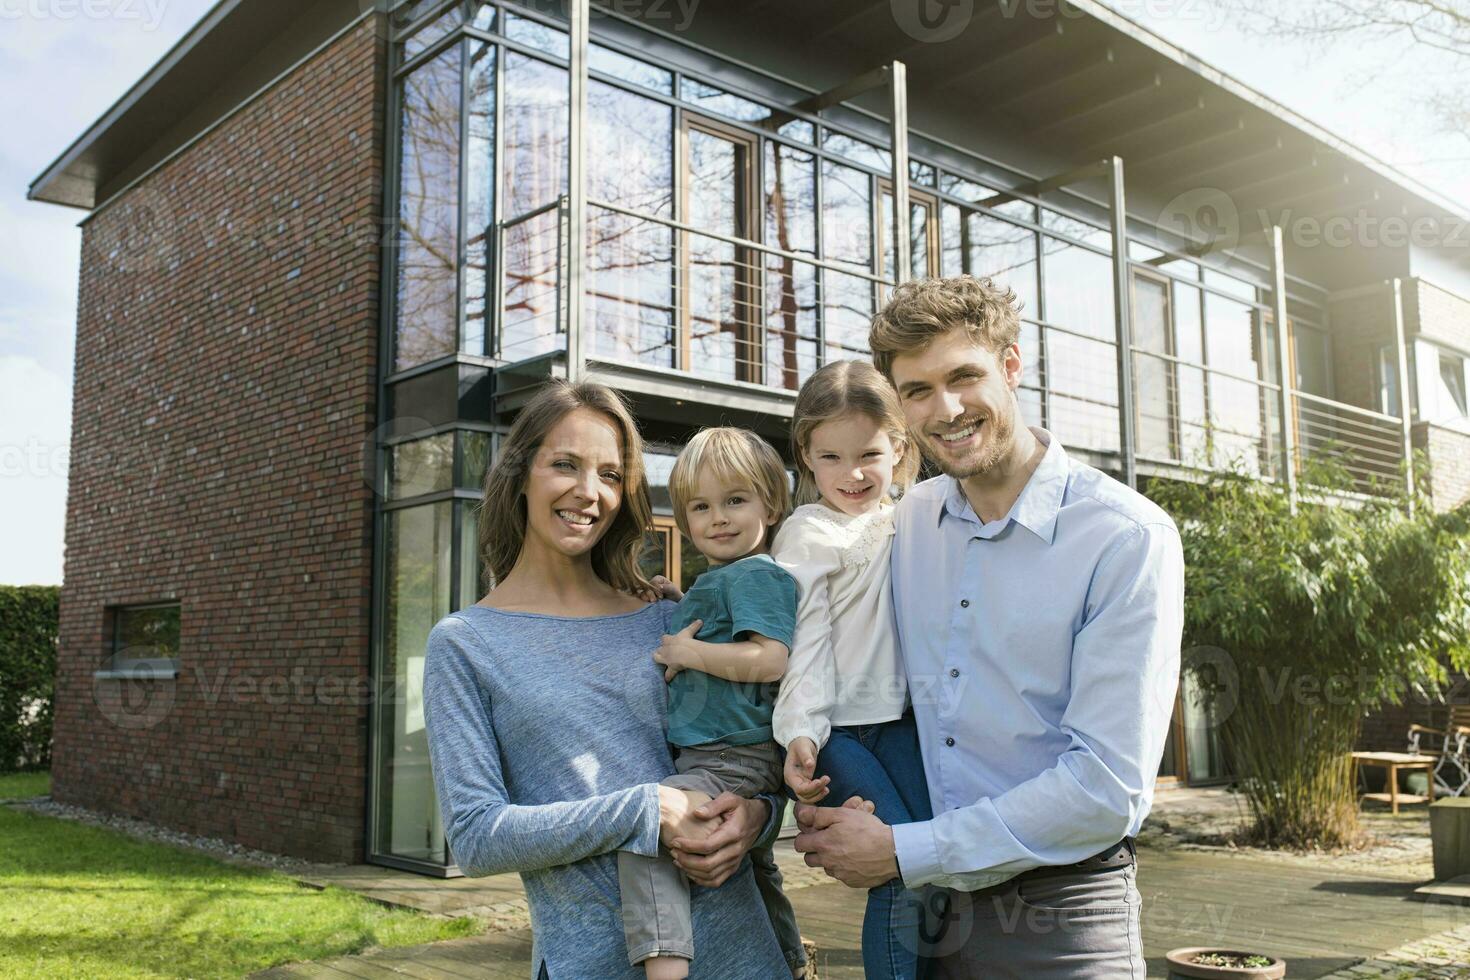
pixel 791 286
pixel 428 213
pixel 535 165
pixel 630 260
pixel 479 196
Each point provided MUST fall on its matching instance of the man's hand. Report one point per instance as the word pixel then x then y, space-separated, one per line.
pixel 851 845
pixel 801 765
pixel 711 861
pixel 678 651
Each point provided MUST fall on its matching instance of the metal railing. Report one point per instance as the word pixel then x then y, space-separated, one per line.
pixel 665 294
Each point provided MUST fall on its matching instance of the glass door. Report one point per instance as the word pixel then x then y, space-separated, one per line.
pixel 719 300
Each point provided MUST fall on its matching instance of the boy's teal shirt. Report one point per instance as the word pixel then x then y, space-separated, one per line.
pixel 751 595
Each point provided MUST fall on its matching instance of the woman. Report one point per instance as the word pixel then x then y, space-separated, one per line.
pixel 545 709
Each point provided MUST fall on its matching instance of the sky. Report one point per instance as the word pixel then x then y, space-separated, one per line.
pixel 64 62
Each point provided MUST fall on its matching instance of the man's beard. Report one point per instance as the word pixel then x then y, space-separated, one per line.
pixel 998 434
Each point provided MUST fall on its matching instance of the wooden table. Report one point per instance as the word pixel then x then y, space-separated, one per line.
pixel 1393 762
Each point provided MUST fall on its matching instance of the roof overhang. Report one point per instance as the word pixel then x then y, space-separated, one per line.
pixel 238 48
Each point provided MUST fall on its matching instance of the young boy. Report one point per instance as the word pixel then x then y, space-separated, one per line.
pixel 731 635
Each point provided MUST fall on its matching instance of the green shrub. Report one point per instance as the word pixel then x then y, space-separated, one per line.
pixel 1300 620
pixel 28 626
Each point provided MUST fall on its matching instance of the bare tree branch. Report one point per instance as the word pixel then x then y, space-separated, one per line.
pixel 1428 28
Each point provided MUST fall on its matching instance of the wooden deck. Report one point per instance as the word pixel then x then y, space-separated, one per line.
pixel 1318 920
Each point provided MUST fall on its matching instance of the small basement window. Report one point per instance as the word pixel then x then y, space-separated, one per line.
pixel 143 641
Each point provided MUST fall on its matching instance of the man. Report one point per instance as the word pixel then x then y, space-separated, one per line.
pixel 1040 607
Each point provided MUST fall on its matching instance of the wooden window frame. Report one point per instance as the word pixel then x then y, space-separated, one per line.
pixel 750 332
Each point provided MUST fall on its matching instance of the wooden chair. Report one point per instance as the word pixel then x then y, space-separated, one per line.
pixel 1452 773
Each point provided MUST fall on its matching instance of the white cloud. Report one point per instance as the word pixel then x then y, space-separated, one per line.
pixel 35 436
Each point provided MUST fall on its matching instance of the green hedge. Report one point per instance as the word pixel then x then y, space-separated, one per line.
pixel 29 616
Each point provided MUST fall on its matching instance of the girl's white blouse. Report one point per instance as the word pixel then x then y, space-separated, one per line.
pixel 844 667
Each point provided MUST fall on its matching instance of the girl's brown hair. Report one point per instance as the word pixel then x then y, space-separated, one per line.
pixel 503 511
pixel 835 390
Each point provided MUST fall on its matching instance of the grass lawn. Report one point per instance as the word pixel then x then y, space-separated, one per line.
pixel 20 785
pixel 80 901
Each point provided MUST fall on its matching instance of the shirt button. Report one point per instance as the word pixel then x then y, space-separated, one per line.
pixel 954 672
pixel 964 603
pixel 949 741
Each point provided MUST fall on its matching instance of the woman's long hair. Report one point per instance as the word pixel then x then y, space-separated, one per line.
pixel 503 511
pixel 832 392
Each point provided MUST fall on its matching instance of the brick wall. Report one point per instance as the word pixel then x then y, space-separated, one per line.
pixel 1449 463
pixel 1437 314
pixel 225 384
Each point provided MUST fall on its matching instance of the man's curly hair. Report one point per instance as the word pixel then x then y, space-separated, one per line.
pixel 923 309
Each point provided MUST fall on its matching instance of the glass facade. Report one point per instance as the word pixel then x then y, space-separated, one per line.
pixel 736 242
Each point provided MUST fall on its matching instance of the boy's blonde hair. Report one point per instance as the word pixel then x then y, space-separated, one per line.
pixel 835 390
pixel 922 309
pixel 733 455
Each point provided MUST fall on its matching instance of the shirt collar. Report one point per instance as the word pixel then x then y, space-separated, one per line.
pixel 1040 500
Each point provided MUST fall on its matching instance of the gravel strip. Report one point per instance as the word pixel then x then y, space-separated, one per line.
pixel 142 830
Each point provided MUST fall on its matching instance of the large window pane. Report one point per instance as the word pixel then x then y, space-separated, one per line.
pixel 1004 252
pixel 535 133
pixel 921 216
pixel 1079 289
pixel 790 199
pixel 619 65
pixel 1230 335
pixel 856 150
pixel 630 150
pixel 534 34
pixel 421 466
pixel 428 213
pixel 1153 373
pixel 720 274
pixel 1082 382
pixel 417 592
pixel 472 581
pixel 474 453
pixel 791 322
pixel 535 174
pixel 630 295
pixel 847 215
pixel 951 242
pixel 479 196
pixel 847 309
pixel 1235 403
pixel 630 261
pixel 426 36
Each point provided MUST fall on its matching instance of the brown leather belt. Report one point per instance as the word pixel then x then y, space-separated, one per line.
pixel 1120 855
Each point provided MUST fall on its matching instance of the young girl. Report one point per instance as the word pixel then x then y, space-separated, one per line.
pixel 843 710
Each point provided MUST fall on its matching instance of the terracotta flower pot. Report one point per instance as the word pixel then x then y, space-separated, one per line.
pixel 1182 966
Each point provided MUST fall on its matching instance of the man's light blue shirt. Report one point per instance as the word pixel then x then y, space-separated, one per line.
pixel 1042 654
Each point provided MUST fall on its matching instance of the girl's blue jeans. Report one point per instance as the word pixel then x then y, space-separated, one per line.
pixel 881 763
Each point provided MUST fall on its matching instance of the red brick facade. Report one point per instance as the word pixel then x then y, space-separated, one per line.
pixel 225 386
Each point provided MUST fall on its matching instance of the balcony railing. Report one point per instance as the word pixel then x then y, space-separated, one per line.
pixel 665 295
